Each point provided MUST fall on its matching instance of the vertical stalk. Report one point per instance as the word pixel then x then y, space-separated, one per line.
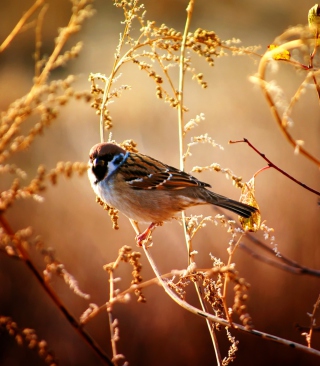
pixel 180 116
pixel 109 82
pixel 210 324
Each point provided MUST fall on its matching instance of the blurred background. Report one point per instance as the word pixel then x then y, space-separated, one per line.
pixel 160 332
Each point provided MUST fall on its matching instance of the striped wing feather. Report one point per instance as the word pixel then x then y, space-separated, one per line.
pixel 152 174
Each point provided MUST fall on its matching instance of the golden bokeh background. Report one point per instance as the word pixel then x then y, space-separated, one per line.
pixel 80 232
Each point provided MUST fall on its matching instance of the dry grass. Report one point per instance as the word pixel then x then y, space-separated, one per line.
pixel 166 56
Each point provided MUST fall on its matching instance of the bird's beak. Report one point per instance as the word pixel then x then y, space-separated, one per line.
pixel 97 162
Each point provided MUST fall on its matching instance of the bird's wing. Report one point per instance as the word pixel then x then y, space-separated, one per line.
pixel 149 173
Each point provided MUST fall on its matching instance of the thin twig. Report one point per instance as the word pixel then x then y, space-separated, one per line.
pixel 273 263
pixel 63 37
pixel 226 280
pixel 301 328
pixel 115 67
pixel 293 267
pixel 263 84
pixel 297 268
pixel 180 115
pixel 313 321
pixel 20 24
pixel 110 317
pixel 181 155
pixel 271 165
pixel 222 321
pixel 311 61
pixel 208 321
pixel 38 40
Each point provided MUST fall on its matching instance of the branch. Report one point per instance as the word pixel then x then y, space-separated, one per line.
pixel 263 84
pixel 298 270
pixel 74 323
pixel 221 321
pixel 271 165
pixel 20 24
pixel 293 267
pixel 181 155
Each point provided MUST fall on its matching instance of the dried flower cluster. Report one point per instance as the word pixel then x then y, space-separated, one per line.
pixel 156 46
pixel 216 297
pixel 25 120
pixel 11 243
pixel 39 183
pixel 113 213
pixel 237 181
pixel 232 350
pixel 28 337
pixel 41 105
pixel 126 255
pixel 55 266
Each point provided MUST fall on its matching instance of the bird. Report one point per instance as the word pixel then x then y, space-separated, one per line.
pixel 148 191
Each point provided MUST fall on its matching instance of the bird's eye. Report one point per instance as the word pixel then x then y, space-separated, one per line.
pixel 108 157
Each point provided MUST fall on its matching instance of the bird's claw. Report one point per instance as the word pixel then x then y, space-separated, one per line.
pixel 140 238
pixel 144 237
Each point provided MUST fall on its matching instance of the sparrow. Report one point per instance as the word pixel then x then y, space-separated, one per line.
pixel 147 190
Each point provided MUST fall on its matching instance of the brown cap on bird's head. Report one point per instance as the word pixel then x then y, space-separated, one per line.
pixel 105 148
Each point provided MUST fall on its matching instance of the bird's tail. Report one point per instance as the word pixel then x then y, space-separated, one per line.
pixel 238 207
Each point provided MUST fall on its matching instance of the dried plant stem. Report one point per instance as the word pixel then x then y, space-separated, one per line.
pixel 181 81
pixel 289 264
pixel 209 271
pixel 63 37
pixel 222 321
pixel 109 310
pixel 110 317
pixel 181 155
pixel 20 24
pixel 313 321
pixel 45 72
pixel 226 280
pixel 311 62
pixel 180 116
pixel 263 84
pixel 75 324
pixel 109 83
pixel 210 325
pixel 38 41
pixel 298 93
pixel 170 293
pixel 120 296
pixel 293 267
pixel 271 165
pixel 116 65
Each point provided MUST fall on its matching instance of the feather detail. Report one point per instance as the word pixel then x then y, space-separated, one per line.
pixel 235 206
pixel 149 173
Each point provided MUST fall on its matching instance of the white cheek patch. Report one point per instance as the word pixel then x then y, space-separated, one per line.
pixel 114 164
